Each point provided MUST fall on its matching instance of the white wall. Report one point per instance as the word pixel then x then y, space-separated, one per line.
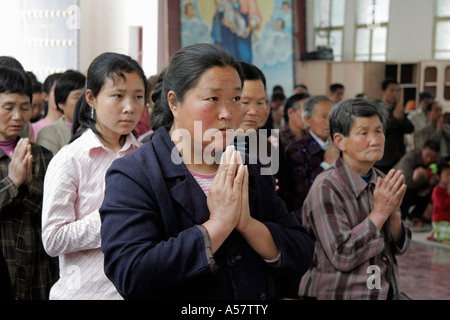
pixel 411 30
pixel 105 26
pixel 10 41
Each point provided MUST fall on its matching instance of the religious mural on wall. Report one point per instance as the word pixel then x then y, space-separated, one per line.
pixel 255 31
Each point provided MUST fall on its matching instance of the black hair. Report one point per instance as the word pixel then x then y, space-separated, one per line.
pixel 278 96
pixel 68 82
pixel 37 87
pixel 430 105
pixel 182 74
pixel 432 145
pixel 50 81
pixel 10 63
pixel 252 73
pixel 47 87
pixel 387 82
pixel 15 81
pixel 361 95
pixel 426 95
pixel 443 165
pixel 343 113
pixel 293 102
pixel 301 86
pixel 108 65
pixel 32 76
pixel 277 88
pixel 335 87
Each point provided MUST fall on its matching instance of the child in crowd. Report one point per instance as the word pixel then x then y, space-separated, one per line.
pixel 67 91
pixel 441 206
pixel 104 118
pixel 51 112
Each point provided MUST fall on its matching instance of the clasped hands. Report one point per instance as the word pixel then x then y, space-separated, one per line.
pixel 20 167
pixel 228 201
pixel 388 196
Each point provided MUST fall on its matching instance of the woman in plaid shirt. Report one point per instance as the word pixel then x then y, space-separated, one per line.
pixel 352 212
pixel 23 166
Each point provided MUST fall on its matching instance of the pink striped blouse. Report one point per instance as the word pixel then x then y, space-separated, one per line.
pixel 204 180
pixel 73 192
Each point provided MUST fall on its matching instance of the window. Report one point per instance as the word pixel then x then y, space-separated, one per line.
pixel 329 18
pixel 442 30
pixel 372 24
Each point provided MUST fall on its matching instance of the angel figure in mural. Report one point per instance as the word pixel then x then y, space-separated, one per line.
pixel 233 26
pixel 194 29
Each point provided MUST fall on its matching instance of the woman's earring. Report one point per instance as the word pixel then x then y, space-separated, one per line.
pixel 92 112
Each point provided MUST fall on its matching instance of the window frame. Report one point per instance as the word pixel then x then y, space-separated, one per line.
pixel 435 25
pixel 328 30
pixel 365 26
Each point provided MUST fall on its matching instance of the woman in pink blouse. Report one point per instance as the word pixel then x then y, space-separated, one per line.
pixel 104 118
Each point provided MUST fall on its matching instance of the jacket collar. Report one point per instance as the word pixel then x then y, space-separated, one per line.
pixel 355 181
pixel 312 145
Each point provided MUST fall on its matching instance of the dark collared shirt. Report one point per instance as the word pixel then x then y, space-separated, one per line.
pixel 31 270
pixel 303 159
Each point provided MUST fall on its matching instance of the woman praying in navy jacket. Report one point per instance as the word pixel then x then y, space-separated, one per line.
pixel 176 223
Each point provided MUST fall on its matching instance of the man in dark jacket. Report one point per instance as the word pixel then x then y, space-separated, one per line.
pixel 398 125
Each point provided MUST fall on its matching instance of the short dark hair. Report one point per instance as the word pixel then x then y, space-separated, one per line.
pixel 387 82
pixel 252 73
pixel 426 95
pixel 443 165
pixel 335 87
pixel 278 96
pixel 10 63
pixel 15 81
pixel 37 87
pixel 69 81
pixel 293 103
pixel 277 88
pixel 343 113
pixel 301 86
pixel 432 145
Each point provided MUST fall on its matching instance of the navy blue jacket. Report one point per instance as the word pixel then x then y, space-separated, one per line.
pixel 154 248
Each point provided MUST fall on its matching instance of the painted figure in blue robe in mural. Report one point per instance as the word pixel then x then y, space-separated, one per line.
pixel 233 26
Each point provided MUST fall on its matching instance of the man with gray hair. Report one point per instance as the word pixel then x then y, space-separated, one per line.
pixel 312 154
pixel 352 212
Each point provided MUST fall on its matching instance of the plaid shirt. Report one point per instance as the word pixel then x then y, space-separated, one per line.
pixel 31 270
pixel 347 243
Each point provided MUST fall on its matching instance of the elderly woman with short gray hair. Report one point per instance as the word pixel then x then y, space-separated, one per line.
pixel 352 212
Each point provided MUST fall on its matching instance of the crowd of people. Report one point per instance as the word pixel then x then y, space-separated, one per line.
pixel 108 192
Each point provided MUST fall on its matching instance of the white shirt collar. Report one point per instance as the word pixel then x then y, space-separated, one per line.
pixel 322 144
pixel 93 142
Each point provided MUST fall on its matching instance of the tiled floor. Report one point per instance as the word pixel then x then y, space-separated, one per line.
pixel 425 269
